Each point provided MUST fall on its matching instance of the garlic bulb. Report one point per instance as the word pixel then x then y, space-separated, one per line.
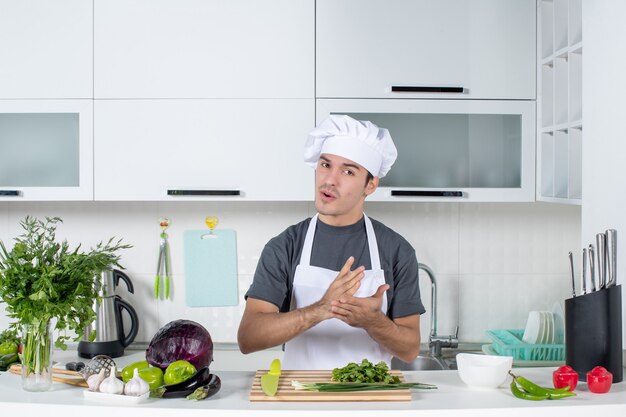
pixel 112 385
pixel 94 381
pixel 136 386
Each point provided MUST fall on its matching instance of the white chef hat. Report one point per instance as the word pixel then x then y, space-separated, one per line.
pixel 360 141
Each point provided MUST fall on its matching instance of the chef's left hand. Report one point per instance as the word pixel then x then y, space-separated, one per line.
pixel 360 311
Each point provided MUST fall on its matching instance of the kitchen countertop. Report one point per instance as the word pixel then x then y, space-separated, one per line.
pixel 452 398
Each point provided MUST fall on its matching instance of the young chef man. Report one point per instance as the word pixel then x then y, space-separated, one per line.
pixel 339 287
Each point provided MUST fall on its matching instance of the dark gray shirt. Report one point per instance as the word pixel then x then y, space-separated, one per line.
pixel 332 246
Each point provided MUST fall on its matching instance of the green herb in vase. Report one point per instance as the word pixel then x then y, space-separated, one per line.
pixel 45 283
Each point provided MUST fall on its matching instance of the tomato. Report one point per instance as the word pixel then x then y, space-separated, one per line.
pixel 599 380
pixel 128 371
pixel 8 347
pixel 178 371
pixel 565 376
pixel 152 375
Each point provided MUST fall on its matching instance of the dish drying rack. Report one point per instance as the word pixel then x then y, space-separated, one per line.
pixel 508 342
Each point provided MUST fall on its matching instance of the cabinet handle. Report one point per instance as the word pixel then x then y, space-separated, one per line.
pixel 425 89
pixel 410 193
pixel 10 193
pixel 187 193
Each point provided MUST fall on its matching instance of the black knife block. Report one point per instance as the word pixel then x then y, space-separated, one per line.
pixel 593 332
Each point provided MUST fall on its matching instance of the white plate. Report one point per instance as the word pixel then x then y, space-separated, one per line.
pixel 542 328
pixel 559 323
pixel 114 398
pixel 542 333
pixel 532 333
pixel 551 327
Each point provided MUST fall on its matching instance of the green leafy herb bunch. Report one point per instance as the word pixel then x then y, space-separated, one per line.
pixel 365 372
pixel 42 280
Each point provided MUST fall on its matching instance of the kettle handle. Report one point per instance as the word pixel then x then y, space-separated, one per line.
pixel 134 321
pixel 117 274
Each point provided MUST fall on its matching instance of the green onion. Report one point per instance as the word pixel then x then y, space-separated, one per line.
pixel 357 386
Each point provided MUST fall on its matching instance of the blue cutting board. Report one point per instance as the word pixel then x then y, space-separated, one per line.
pixel 210 268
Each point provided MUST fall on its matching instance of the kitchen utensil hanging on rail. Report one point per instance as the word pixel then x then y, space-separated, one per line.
pixel 163 265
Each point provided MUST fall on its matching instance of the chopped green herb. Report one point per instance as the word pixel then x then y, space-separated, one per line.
pixel 365 372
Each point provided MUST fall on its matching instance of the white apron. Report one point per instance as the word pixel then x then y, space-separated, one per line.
pixel 332 343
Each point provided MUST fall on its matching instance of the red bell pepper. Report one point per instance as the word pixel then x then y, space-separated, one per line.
pixel 599 380
pixel 565 376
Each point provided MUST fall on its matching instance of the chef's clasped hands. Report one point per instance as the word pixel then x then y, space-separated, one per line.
pixel 354 311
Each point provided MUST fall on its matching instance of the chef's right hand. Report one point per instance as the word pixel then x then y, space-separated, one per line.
pixel 346 283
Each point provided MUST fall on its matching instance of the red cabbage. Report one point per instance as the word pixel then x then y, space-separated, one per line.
pixel 180 340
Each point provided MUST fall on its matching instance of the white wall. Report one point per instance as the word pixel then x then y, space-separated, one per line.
pixel 494 262
pixel 604 146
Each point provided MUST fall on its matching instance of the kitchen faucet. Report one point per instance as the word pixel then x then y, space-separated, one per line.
pixel 436 342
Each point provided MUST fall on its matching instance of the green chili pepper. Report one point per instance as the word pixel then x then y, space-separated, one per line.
pixel 531 391
pixel 559 395
pixel 535 389
pixel 525 395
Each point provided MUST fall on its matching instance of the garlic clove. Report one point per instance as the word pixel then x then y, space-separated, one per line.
pixel 94 381
pixel 112 385
pixel 136 386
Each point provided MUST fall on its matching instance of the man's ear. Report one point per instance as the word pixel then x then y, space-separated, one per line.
pixel 371 186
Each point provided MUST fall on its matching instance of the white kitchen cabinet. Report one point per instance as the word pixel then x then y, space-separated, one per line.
pixel 452 150
pixel 46 150
pixel 173 150
pixel 204 48
pixel 560 112
pixel 485 48
pixel 46 49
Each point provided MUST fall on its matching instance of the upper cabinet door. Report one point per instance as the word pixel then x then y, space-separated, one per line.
pixel 46 150
pixel 451 150
pixel 182 150
pixel 485 48
pixel 46 49
pixel 204 48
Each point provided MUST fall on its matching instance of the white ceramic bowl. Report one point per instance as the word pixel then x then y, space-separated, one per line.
pixel 483 371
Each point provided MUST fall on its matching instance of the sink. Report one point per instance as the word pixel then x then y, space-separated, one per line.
pixel 422 363
pixel 427 362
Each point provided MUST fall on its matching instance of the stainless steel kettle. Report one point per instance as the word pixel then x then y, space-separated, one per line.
pixel 111 338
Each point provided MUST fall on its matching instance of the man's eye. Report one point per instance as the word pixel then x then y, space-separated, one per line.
pixel 348 172
pixel 324 164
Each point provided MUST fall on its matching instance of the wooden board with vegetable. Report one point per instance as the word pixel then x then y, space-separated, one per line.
pixel 58 375
pixel 286 392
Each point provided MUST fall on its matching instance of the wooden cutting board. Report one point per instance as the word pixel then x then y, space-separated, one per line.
pixel 58 375
pixel 287 393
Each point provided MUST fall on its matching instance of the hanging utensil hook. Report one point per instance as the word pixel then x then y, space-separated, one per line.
pixel 211 222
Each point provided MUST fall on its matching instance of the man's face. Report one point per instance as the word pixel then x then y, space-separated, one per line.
pixel 340 189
